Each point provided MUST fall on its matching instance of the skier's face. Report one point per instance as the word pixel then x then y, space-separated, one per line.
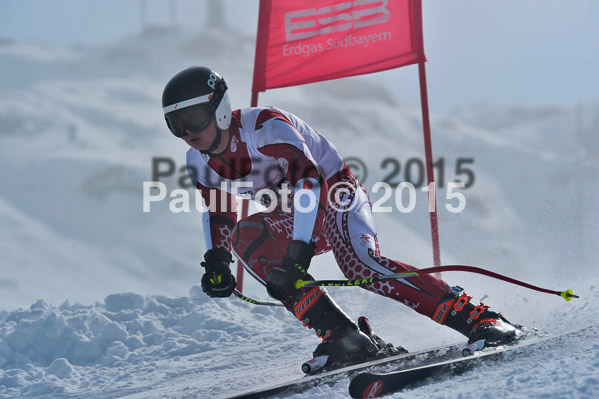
pixel 202 140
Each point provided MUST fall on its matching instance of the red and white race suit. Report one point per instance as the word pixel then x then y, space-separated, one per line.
pixel 269 148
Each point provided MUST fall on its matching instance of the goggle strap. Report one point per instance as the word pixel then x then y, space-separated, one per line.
pixel 187 103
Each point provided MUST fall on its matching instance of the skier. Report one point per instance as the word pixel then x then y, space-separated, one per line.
pixel 268 148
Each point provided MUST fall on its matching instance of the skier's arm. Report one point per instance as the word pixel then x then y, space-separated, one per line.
pixel 303 174
pixel 222 208
pixel 217 280
pixel 284 142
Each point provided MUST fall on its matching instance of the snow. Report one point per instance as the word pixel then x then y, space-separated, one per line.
pixel 157 346
pixel 78 130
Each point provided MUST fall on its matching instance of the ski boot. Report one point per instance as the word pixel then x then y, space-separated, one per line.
pixel 343 342
pixel 348 345
pixel 483 327
pixel 385 349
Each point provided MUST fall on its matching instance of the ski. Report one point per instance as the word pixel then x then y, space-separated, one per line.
pixel 375 384
pixel 331 377
pixel 379 377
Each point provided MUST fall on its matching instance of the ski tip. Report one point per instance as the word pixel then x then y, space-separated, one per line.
pixel 567 295
pixel 366 385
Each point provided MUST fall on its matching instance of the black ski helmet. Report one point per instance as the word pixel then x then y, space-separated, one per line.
pixel 193 98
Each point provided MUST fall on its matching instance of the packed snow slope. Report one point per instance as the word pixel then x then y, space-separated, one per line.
pixel 131 346
pixel 79 128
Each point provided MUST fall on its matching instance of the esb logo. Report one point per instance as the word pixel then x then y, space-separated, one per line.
pixel 340 17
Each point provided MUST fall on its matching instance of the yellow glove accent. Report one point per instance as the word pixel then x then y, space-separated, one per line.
pixel 216 279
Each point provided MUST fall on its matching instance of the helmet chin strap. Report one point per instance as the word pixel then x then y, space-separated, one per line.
pixel 215 144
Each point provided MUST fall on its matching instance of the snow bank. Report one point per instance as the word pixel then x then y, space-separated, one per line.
pixel 75 348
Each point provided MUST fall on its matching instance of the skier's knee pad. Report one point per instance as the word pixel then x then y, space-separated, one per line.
pixel 249 237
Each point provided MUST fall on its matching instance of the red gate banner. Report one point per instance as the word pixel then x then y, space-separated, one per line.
pixel 304 41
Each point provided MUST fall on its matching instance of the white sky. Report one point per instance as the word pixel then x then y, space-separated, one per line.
pixel 508 51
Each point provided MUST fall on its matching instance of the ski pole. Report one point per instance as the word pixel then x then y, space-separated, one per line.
pixel 567 294
pixel 255 301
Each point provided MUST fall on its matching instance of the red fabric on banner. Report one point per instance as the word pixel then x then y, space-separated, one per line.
pixel 299 43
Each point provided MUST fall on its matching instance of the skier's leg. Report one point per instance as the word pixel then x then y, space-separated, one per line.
pixel 260 241
pixel 351 231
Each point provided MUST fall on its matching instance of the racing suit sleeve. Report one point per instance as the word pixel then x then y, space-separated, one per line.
pixel 222 216
pixel 284 142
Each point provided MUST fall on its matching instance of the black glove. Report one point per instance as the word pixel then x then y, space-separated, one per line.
pixel 217 281
pixel 282 279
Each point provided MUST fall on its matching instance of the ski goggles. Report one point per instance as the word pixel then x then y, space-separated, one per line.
pixel 195 119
